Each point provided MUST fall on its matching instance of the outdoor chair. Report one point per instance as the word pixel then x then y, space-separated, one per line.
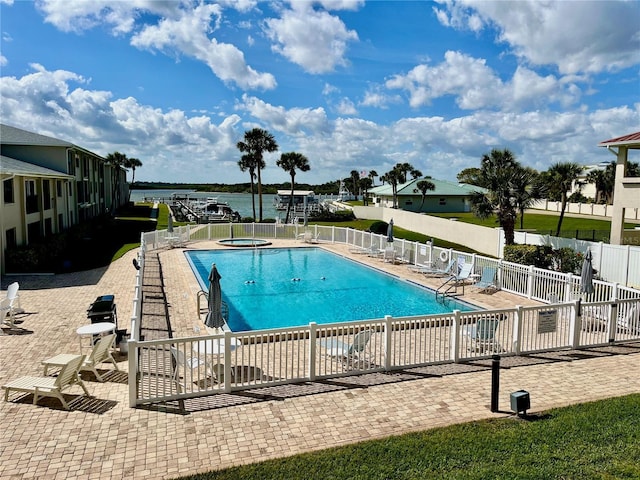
pixel 464 275
pixel 101 353
pixel 482 334
pixel 50 386
pixel 487 283
pixel 349 354
pixel 10 304
pixel 185 366
pixel 434 271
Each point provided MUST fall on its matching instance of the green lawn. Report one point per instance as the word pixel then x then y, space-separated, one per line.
pixel 597 440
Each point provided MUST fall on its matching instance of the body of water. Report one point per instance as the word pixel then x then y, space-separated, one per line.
pixel 276 287
pixel 239 202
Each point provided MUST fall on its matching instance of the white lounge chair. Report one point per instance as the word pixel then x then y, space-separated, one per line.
pixel 435 271
pixel 185 366
pixel 50 386
pixel 349 354
pixel 10 304
pixel 101 353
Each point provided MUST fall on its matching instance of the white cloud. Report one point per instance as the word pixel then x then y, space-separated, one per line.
pixel 181 29
pixel 576 36
pixel 313 39
pixel 346 107
pixel 3 61
pixel 476 86
pixel 178 147
pixel 188 34
pixel 295 121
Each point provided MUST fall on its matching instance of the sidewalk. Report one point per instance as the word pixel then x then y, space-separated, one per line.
pixel 101 437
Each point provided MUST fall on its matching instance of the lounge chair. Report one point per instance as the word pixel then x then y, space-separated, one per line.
pixel 50 386
pixel 101 353
pixel 309 237
pixel 464 275
pixel 349 354
pixel 487 283
pixel 482 334
pixel 185 366
pixel 10 304
pixel 435 271
pixel 389 254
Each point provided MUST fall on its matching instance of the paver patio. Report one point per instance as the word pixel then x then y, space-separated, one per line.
pixel 101 437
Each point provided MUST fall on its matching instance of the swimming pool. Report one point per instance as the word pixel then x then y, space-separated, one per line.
pixel 279 287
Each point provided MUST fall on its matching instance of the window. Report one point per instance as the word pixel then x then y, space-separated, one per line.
pixel 48 227
pixel 31 196
pixel 7 186
pixel 443 201
pixel 33 232
pixel 11 238
pixel 46 194
pixel 60 222
pixel 59 188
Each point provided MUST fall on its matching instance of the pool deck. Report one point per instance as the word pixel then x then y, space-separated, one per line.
pixel 101 437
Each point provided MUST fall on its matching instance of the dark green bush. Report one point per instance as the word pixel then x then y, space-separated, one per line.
pixel 563 260
pixel 379 227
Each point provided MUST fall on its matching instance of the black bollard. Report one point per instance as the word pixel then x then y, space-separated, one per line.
pixel 495 382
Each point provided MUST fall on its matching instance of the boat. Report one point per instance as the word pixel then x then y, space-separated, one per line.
pixel 301 199
pixel 207 210
pixel 344 195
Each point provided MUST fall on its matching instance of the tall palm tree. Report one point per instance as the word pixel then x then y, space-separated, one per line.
pixel 247 162
pixel 372 175
pixel 256 142
pixel 526 190
pixel 423 186
pixel 496 175
pixel 365 184
pixel 290 162
pixel 559 179
pixel 118 161
pixel 132 163
pixel 354 177
pixel 393 177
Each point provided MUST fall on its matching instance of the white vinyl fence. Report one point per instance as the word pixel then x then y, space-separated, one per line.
pixel 160 370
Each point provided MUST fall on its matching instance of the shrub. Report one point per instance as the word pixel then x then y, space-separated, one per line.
pixel 563 260
pixel 379 227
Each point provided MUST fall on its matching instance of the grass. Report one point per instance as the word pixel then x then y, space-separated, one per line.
pixel 597 440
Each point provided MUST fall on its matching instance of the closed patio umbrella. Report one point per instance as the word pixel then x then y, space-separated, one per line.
pixel 586 276
pixel 390 231
pixel 214 315
pixel 170 223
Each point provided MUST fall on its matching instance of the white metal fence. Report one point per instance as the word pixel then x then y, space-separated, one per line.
pixel 161 370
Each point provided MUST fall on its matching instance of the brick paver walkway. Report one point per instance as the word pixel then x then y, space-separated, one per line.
pixel 102 438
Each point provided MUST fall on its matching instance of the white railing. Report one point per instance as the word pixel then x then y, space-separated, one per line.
pixel 180 368
pixel 289 355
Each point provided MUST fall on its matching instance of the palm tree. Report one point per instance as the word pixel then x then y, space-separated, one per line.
pixel 601 181
pixel 247 162
pixel 365 184
pixel 118 161
pixel 290 162
pixel 354 177
pixel 256 142
pixel 393 177
pixel 559 179
pixel 423 186
pixel 372 175
pixel 526 190
pixel 496 175
pixel 132 163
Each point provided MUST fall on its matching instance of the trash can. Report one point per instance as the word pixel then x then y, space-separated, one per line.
pixel 124 344
pixel 520 401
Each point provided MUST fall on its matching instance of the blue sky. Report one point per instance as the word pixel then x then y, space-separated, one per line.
pixel 352 85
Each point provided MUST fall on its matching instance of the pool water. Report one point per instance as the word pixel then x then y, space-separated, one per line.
pixel 275 287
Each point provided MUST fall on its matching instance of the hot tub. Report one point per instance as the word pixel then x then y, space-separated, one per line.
pixel 244 242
